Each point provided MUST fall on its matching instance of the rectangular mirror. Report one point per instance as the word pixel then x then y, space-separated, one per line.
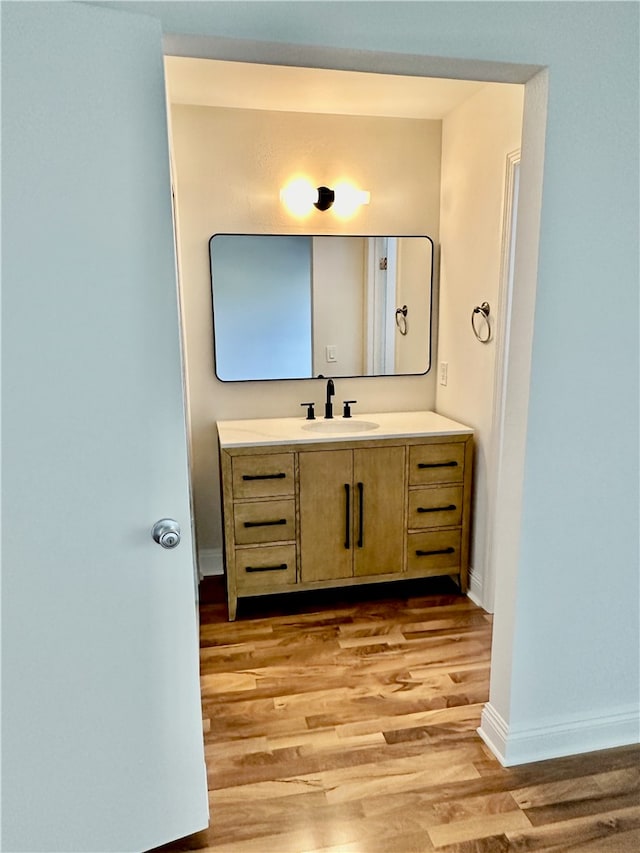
pixel 303 306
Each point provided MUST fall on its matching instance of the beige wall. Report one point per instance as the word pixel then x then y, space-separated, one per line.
pixel 476 138
pixel 229 166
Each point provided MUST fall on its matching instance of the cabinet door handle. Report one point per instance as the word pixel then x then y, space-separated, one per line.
pixel 430 553
pixel 280 476
pixel 437 464
pixel 347 516
pixel 280 568
pixel 361 515
pixel 264 523
pixel 437 508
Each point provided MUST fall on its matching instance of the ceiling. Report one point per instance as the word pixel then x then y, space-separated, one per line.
pixel 242 85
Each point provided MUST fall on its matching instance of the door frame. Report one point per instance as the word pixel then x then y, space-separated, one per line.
pixel 380 299
pixel 513 369
pixel 502 337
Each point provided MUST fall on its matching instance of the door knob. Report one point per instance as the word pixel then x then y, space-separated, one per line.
pixel 166 532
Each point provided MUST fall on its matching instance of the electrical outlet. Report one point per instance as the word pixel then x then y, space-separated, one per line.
pixel 330 353
pixel 444 372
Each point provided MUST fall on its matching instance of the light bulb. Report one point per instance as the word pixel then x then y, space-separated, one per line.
pixel 299 196
pixel 349 199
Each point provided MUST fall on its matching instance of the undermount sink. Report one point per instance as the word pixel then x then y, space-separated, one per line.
pixel 340 425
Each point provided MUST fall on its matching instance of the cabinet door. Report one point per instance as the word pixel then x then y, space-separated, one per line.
pixel 379 499
pixel 326 501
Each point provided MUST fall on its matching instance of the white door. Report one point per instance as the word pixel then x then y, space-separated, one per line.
pixel 102 735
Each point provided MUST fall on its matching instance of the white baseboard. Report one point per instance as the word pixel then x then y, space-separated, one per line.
pixel 569 736
pixel 210 562
pixel 494 732
pixel 475 588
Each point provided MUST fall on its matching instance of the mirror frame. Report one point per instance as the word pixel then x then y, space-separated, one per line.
pixel 324 376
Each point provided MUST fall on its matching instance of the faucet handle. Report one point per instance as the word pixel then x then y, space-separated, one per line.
pixel 311 415
pixel 347 408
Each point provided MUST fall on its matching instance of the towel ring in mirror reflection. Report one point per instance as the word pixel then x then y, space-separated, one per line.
pixel 401 319
pixel 483 310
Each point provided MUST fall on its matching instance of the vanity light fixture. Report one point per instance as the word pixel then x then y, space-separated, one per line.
pixel 325 199
pixel 300 196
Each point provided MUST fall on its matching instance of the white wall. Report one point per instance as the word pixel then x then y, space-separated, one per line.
pixel 229 166
pixel 476 138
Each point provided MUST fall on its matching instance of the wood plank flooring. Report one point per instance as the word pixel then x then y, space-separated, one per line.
pixel 345 722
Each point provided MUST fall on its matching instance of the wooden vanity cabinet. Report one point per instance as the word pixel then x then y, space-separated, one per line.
pixel 260 523
pixel 439 497
pixel 352 505
pixel 311 516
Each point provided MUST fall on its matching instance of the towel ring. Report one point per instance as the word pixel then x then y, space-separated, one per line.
pixel 401 319
pixel 483 310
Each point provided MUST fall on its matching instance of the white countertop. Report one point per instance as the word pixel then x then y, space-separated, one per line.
pixel 265 431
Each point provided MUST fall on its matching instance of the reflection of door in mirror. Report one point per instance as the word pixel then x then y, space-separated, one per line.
pixel 299 306
pixel 380 299
pixel 413 349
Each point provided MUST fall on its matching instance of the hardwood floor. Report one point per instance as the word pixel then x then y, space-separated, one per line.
pixel 339 724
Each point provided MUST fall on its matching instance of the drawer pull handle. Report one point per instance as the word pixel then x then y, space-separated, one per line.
pixel 263 476
pixel 361 516
pixel 437 464
pixel 437 508
pixel 280 568
pixel 431 553
pixel 347 516
pixel 264 523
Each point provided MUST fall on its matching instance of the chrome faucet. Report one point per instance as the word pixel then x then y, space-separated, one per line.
pixel 328 406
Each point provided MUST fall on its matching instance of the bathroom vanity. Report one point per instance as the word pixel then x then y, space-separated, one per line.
pixel 329 503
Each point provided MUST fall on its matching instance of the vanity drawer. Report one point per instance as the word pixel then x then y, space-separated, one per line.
pixel 260 568
pixel 264 521
pixel 438 506
pixel 436 463
pixel 268 475
pixel 434 553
